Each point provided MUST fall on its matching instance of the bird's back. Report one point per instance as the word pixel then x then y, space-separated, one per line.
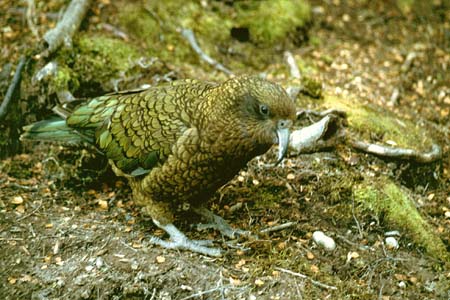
pixel 137 129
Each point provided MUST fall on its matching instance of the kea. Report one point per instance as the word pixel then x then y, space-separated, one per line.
pixel 178 142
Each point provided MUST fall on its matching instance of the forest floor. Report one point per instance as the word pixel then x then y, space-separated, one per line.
pixel 68 233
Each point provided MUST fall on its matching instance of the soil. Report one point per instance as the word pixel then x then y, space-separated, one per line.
pixel 69 228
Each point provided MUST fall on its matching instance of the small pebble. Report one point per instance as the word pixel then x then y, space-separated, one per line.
pixel 321 239
pixel 99 262
pixel 391 242
pixel 402 284
pixel 134 265
pixel 89 268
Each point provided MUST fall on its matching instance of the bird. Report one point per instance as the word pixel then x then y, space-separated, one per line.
pixel 178 142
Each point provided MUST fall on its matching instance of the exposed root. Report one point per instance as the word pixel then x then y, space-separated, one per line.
pixel 401 153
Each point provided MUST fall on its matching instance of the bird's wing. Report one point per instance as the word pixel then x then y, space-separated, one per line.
pixel 136 129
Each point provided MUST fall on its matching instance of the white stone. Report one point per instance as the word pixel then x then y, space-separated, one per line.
pixel 391 242
pixel 324 241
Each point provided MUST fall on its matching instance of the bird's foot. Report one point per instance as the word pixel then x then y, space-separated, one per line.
pixel 179 241
pixel 218 223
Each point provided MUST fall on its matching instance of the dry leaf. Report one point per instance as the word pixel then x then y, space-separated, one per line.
pixel 259 282
pixel 12 280
pixel 20 209
pixel 17 200
pixel 103 204
pixel 314 269
pixel 235 282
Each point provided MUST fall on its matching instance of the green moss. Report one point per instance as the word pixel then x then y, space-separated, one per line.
pixel 65 79
pixel 311 87
pixel 102 57
pixel 371 121
pixel 385 197
pixel 157 26
pixel 139 23
pixel 405 5
pixel 271 21
pixel 91 64
pixel 267 197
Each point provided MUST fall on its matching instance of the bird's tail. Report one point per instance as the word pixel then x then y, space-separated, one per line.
pixel 54 129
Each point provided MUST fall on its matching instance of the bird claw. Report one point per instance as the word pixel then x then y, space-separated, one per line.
pixel 199 246
pixel 179 241
pixel 218 223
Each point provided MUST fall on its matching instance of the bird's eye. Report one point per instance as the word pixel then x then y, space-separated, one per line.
pixel 264 110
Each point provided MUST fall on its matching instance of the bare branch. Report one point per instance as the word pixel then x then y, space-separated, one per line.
pixel 401 153
pixel 66 28
pixel 189 35
pixel 315 282
pixel 278 227
pixel 15 83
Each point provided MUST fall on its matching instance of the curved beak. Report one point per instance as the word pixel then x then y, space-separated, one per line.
pixel 283 143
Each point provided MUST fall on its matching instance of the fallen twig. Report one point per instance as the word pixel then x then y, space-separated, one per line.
pixel 315 282
pixel 66 28
pixel 31 16
pixel 293 68
pixel 188 34
pixel 115 31
pixel 360 247
pixel 199 294
pixel 31 213
pixel 293 91
pixel 402 153
pixel 408 61
pixel 24 187
pixel 324 113
pixel 278 227
pixel 15 83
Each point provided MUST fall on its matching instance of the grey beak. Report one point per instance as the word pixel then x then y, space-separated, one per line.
pixel 283 143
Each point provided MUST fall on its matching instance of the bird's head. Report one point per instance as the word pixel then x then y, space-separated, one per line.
pixel 265 111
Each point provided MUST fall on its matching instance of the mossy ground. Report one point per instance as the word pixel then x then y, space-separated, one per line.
pixel 386 198
pixel 376 125
pixel 77 234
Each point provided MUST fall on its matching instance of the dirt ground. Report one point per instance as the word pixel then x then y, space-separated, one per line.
pixel 69 228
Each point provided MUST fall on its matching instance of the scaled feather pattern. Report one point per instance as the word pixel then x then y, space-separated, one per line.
pixel 178 142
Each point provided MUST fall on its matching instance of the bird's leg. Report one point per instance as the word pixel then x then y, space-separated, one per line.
pixel 179 241
pixel 160 212
pixel 218 223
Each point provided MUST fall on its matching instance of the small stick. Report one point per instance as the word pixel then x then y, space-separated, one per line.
pixel 290 60
pixel 205 292
pixel 408 61
pixel 402 153
pixel 360 247
pixel 31 213
pixel 278 227
pixel 315 282
pixel 330 111
pixel 12 87
pixel 189 35
pixel 31 16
